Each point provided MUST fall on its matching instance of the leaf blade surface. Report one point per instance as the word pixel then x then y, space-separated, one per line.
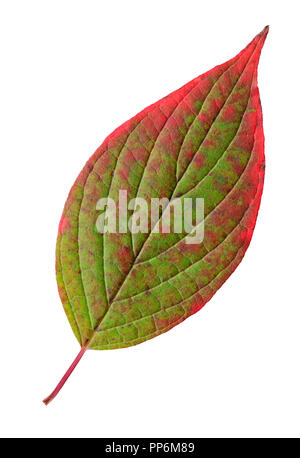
pixel 203 140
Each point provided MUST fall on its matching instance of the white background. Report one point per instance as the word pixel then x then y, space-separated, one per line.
pixel 71 72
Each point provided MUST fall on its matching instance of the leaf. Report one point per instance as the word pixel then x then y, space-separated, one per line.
pixel 203 140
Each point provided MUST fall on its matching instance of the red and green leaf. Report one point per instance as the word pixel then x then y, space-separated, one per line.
pixel 203 140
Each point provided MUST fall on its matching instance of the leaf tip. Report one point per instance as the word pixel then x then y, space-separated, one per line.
pixel 265 32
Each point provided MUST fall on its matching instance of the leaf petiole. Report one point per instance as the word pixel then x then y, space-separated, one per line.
pixel 65 377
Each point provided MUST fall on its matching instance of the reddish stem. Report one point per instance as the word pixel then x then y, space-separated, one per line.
pixel 65 377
